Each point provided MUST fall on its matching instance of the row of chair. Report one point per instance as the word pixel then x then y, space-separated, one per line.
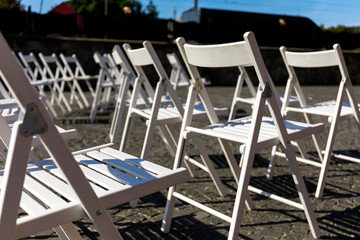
pixel 53 75
pixel 89 181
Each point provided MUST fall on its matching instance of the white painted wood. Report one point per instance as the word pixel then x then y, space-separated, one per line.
pixel 73 67
pixel 109 78
pixel 58 77
pixel 160 115
pixel 252 133
pixel 311 59
pixel 64 185
pixel 335 110
pixel 35 74
pixel 217 55
pixel 178 76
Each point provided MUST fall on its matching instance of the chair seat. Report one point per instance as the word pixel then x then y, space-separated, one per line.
pixel 251 100
pixel 324 109
pixel 238 130
pixel 116 178
pixel 169 114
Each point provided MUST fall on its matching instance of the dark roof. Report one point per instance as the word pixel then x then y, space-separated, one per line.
pixel 202 15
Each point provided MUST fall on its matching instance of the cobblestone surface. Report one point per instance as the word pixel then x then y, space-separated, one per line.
pixel 337 211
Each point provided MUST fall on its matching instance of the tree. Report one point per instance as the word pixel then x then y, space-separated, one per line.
pixel 115 7
pixel 151 10
pixel 10 4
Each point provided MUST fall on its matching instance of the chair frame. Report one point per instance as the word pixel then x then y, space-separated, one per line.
pixel 57 76
pixel 335 110
pixel 77 72
pixel 38 79
pixel 234 54
pixel 109 78
pixel 162 113
pixel 55 70
pixel 74 70
pixel 84 200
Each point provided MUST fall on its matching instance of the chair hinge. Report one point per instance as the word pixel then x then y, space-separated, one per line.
pixel 163 82
pixel 33 121
pixel 141 79
pixel 266 92
pixel 197 84
pixel 130 76
pixel 346 81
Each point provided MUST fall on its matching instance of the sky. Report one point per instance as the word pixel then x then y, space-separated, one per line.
pixel 326 12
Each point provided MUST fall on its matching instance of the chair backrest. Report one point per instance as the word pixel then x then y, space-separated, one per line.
pixel 316 59
pixel 238 54
pixel 146 56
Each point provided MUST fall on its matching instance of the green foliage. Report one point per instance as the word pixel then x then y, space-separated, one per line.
pixel 151 10
pixel 10 4
pixel 340 29
pixel 115 7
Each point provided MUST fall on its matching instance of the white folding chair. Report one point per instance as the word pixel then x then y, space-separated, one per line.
pixel 124 95
pixel 178 75
pixel 253 133
pixel 38 79
pixel 109 78
pixel 53 69
pixel 56 191
pixel 161 114
pixel 74 68
pixel 334 110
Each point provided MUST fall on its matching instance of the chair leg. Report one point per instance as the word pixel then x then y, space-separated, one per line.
pixel 50 107
pixel 299 144
pixel 326 160
pixel 126 131
pixel 52 98
pixel 67 231
pixel 73 95
pixel 210 167
pixel 272 163
pixel 170 202
pixel 62 96
pixel 169 210
pixel 147 141
pixel 81 92
pixel 302 191
pixel 94 106
pixel 12 185
pixel 168 139
pixel 90 88
pixel 241 193
pixel 190 166
pixel 230 158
